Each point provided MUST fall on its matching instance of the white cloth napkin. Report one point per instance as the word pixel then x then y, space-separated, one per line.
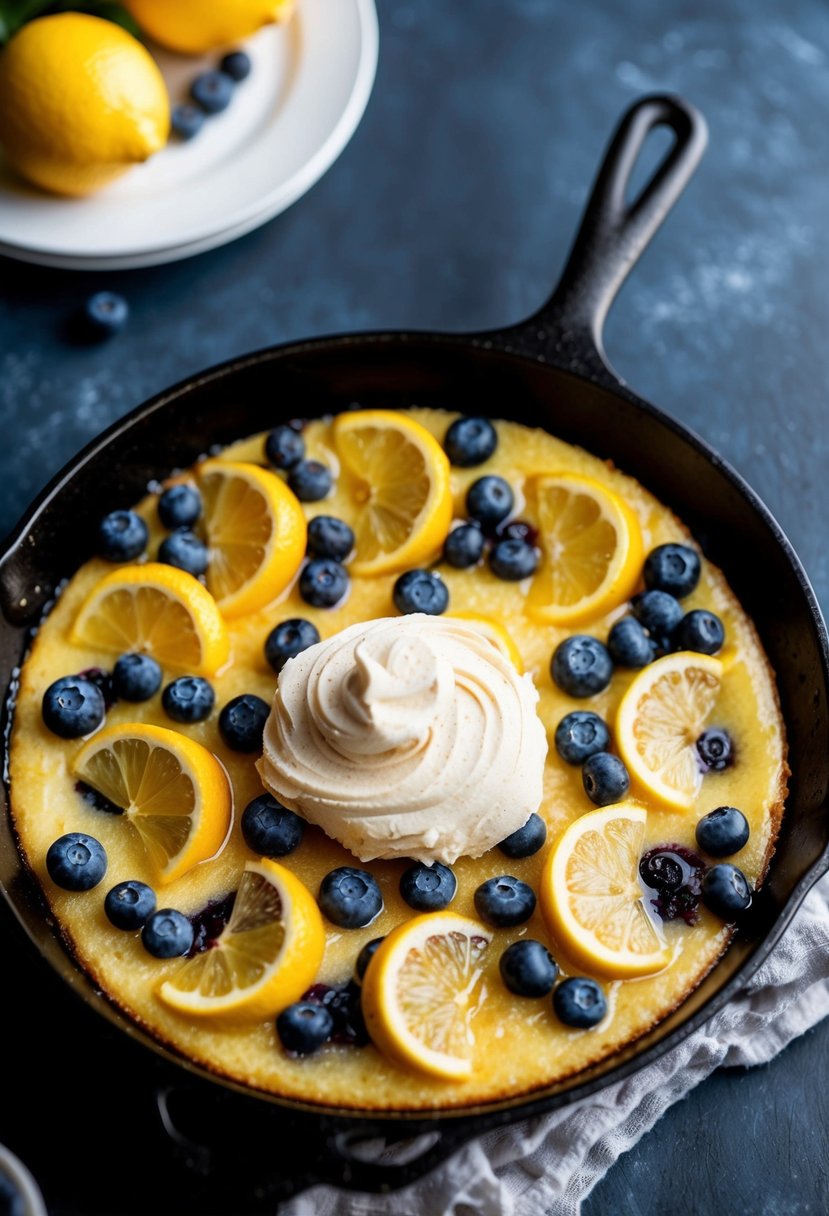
pixel 546 1166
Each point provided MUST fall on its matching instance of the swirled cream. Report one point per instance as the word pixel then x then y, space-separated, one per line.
pixel 410 736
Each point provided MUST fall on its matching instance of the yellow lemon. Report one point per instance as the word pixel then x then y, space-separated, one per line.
pixel 194 26
pixel 82 101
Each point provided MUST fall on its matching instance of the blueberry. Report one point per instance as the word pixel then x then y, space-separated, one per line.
pixel 528 968
pixel 366 955
pixel 581 666
pixel 187 120
pixel 323 582
pixel 236 65
pixel 212 91
pixel 350 898
pixel 723 831
pixel 513 560
pixel 270 829
pixel 179 506
pixel 489 500
pixel 122 536
pixel 72 707
pixel 725 891
pixel 605 778
pixel 504 901
pixel 242 722
pixel 346 1008
pixel 288 639
pixel 629 645
pixel 662 871
pixel 579 1002
pixel 715 749
pixel 525 840
pixel 581 734
pixel 185 550
pixel 188 699
pixel 700 630
pixel 330 537
pixel 128 904
pixel 105 313
pixel 464 546
pixel 304 1027
pixel 12 1201
pixel 659 613
pixel 428 888
pixel 310 480
pixel 672 568
pixel 167 934
pixel 675 873
pixel 284 447
pixel 421 591
pixel 136 677
pixel 76 862
pixel 470 441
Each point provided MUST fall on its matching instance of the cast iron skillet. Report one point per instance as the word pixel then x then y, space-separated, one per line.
pixel 549 370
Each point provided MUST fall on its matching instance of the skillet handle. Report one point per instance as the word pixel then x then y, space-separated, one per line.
pixel 567 330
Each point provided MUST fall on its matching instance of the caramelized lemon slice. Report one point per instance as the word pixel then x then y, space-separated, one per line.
pixel 591 899
pixel 265 958
pixel 592 550
pixel 397 481
pixel 659 720
pixel 157 609
pixel 422 989
pixel 256 535
pixel 497 633
pixel 172 790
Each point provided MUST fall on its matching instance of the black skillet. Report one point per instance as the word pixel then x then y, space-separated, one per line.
pixel 247 1150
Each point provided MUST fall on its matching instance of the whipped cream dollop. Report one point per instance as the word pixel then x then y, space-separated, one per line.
pixel 410 736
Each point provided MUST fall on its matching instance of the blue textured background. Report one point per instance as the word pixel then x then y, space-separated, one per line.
pixel 452 208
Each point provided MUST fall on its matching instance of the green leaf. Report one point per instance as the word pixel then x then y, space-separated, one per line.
pixel 14 13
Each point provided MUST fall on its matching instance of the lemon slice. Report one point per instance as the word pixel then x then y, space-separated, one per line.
pixel 422 989
pixel 397 482
pixel 591 899
pixel 592 550
pixel 171 789
pixel 659 720
pixel 256 535
pixel 265 958
pixel 159 610
pixel 497 633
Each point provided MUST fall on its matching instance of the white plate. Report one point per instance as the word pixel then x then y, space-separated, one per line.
pixel 286 125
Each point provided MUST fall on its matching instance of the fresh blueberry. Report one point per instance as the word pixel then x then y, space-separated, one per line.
pixel 179 506
pixel 659 613
pixel 136 677
pixel 188 699
pixel 330 537
pixel 346 1009
pixel 288 639
pixel 518 529
pixel 122 536
pixel 185 550
pixel 528 968
pixel 284 447
pixel 187 120
pixel 76 862
pixel 470 441
pixel 310 480
pixel 605 778
pixel 723 832
pixel 489 500
pixel 350 898
pixel 715 749
pixel 212 91
pixel 167 934
pixel 629 645
pixel 72 707
pixel 525 840
pixel 581 666
pixel 421 591
pixel 236 65
pixel 700 630
pixel 323 582
pixel 579 1002
pixel 12 1202
pixel 513 560
pixel 725 891
pixel 304 1027
pixel 675 873
pixel 129 904
pixel 662 871
pixel 581 734
pixel 504 901
pixel 105 313
pixel 428 888
pixel 270 829
pixel 242 722
pixel 464 546
pixel 366 955
pixel 672 568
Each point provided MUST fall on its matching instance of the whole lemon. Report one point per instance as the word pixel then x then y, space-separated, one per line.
pixel 82 101
pixel 193 27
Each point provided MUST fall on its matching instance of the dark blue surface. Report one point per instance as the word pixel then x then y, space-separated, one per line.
pixel 453 208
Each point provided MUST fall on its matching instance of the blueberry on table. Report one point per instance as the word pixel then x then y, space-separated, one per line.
pixel 136 677
pixel 723 832
pixel 288 639
pixel 284 447
pixel 428 888
pixel 186 120
pixel 513 560
pixel 605 778
pixel 659 613
pixel 581 666
pixel 330 537
pixel 188 699
pixel 179 506
pixel 489 500
pixel 185 550
pixel 464 546
pixel 242 722
pixel 700 630
pixel 236 65
pixel 672 568
pixel 350 898
pixel 76 862
pixel 526 840
pixel 715 749
pixel 310 480
pixel 122 536
pixel 323 582
pixel 581 734
pixel 726 891
pixel 270 829
pixel 304 1027
pixel 213 91
pixel 504 901
pixel 421 591
pixel 470 441
pixel 167 934
pixel 528 969
pixel 629 645
pixel 128 904
pixel 105 313
pixel 579 1002
pixel 72 707
pixel 366 955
